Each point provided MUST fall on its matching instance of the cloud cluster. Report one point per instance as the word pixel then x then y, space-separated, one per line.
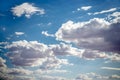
pixel 94 76
pixel 94 34
pixel 33 53
pixel 26 9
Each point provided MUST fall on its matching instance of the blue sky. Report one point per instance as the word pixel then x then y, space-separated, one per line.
pixel 60 40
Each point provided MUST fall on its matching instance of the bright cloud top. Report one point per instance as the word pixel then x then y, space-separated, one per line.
pixel 26 9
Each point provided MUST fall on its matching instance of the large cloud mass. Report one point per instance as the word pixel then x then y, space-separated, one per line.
pixel 96 34
pixel 33 53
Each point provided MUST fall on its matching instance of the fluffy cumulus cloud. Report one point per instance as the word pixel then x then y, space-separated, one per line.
pixel 94 34
pixel 33 53
pixel 26 9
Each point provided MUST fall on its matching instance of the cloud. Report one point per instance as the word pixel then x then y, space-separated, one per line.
pixel 19 71
pixel 93 54
pixel 26 9
pixel 33 53
pixel 113 57
pixel 51 78
pixel 47 34
pixel 115 76
pixel 104 11
pixel 94 34
pixel 2 62
pixel 40 71
pixel 94 76
pixel 110 68
pixel 26 53
pixel 66 49
pixel 114 17
pixel 19 33
pixel 86 7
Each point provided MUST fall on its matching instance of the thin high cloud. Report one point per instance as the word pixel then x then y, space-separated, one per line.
pixel 19 33
pixel 26 9
pixel 110 68
pixel 104 11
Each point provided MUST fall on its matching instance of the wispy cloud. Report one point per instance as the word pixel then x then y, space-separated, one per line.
pixel 26 9
pixel 103 11
pixel 110 68
pixel 19 33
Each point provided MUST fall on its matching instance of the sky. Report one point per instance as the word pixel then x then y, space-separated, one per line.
pixel 60 40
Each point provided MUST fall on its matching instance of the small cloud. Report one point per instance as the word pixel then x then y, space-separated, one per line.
pixel 47 34
pixel 19 33
pixel 49 24
pixel 26 9
pixel 85 8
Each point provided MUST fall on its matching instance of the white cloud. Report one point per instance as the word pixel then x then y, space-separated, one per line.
pixel 86 8
pixel 19 33
pixel 26 9
pixel 105 11
pixel 114 17
pixel 110 68
pixel 47 34
pixel 51 78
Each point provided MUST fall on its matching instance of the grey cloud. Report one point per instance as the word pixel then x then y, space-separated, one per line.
pixel 96 34
pixel 33 53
